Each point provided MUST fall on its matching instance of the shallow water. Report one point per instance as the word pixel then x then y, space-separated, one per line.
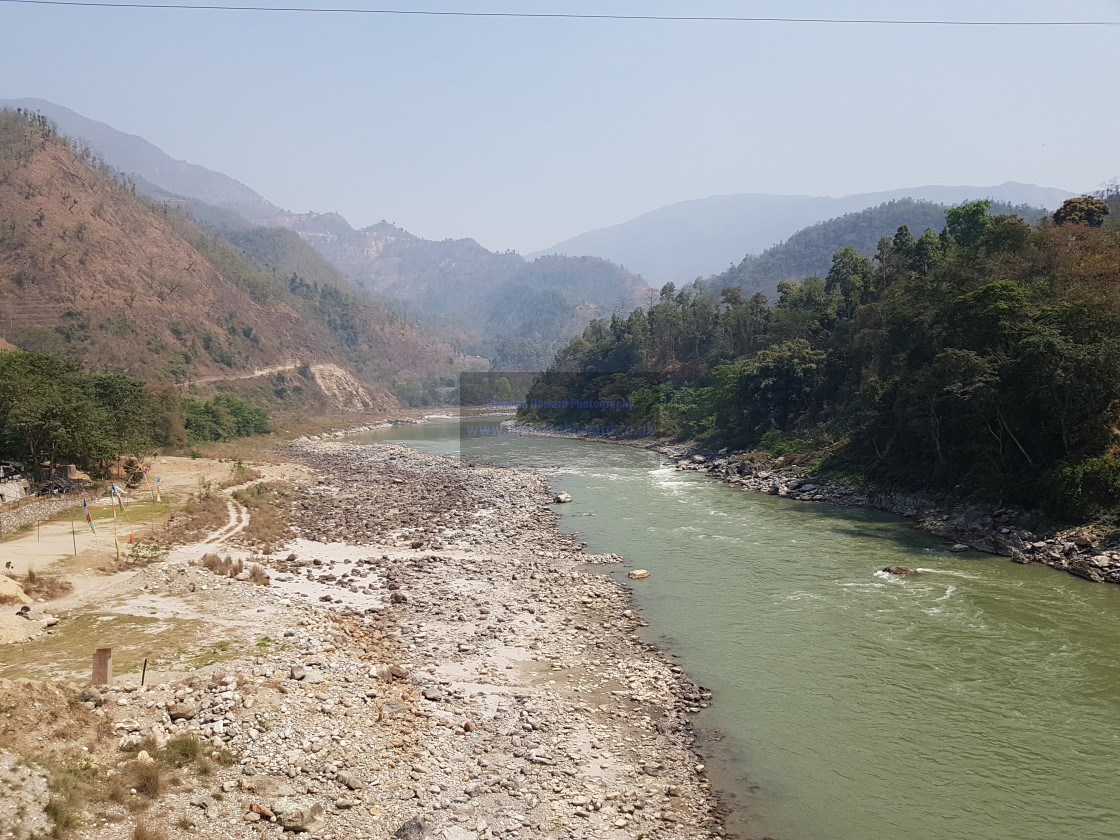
pixel 980 698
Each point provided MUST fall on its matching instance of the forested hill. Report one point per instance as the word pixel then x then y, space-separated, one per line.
pixel 984 359
pixel 95 274
pixel 809 252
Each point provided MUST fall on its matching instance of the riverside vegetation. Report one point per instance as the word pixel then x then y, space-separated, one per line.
pixel 981 360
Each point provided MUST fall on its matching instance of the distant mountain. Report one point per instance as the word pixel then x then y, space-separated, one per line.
pixel 121 284
pixel 513 312
pixel 156 173
pixel 497 305
pixel 809 251
pixel 699 238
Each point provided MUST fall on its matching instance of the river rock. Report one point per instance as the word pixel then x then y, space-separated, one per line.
pixel 562 498
pixel 411 830
pixel 900 570
pixel 183 711
pixel 299 813
pixel 638 574
pixel 91 695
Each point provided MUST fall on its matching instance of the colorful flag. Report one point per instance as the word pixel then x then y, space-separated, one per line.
pixel 89 518
pixel 120 500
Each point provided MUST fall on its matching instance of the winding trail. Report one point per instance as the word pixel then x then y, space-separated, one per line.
pixel 238 519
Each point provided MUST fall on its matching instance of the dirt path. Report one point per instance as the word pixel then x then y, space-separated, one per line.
pixel 227 377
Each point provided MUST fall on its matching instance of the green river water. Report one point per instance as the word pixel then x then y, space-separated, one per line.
pixel 980 699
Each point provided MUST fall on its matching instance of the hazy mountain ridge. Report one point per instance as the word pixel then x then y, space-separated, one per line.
pixel 160 175
pixel 462 291
pixel 91 272
pixel 702 237
pixel 480 300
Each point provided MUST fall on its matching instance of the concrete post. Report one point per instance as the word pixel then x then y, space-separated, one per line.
pixel 103 666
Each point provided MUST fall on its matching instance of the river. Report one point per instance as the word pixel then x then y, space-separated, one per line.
pixel 978 699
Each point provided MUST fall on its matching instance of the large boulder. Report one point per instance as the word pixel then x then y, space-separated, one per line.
pixel 299 813
pixel 183 711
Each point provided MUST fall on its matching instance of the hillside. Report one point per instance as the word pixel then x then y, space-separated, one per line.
pixel 495 305
pixel 980 360
pixel 699 238
pixel 808 253
pixel 498 306
pixel 93 273
pixel 156 173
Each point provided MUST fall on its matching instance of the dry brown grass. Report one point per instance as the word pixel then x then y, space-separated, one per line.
pixel 143 831
pixel 228 567
pixel 47 587
pixel 267 526
pixel 240 474
pixel 200 517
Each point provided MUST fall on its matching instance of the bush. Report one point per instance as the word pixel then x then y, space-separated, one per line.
pixel 1087 487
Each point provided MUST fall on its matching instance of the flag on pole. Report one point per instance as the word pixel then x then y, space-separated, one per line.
pixel 89 518
pixel 120 500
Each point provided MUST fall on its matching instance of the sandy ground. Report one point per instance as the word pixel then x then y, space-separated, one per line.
pixel 50 548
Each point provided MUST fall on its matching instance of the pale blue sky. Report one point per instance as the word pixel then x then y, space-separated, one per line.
pixel 521 133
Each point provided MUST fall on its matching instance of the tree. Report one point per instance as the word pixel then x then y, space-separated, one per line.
pixel 850 276
pixel 965 225
pixel 1084 210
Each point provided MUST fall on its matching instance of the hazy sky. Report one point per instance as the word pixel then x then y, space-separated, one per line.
pixel 521 133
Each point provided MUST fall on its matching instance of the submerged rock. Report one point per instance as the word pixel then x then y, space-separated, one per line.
pixel 900 570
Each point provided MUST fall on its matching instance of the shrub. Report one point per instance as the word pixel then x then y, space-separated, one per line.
pixel 1087 487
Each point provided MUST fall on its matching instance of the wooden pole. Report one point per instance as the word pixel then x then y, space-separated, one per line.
pixel 73 535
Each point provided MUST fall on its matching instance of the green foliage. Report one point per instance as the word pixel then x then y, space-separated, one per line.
pixel 1090 486
pixel 222 417
pixel 985 360
pixel 50 411
pixel 808 253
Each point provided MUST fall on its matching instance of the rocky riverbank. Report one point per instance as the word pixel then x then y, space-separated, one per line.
pixel 993 531
pixel 430 658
